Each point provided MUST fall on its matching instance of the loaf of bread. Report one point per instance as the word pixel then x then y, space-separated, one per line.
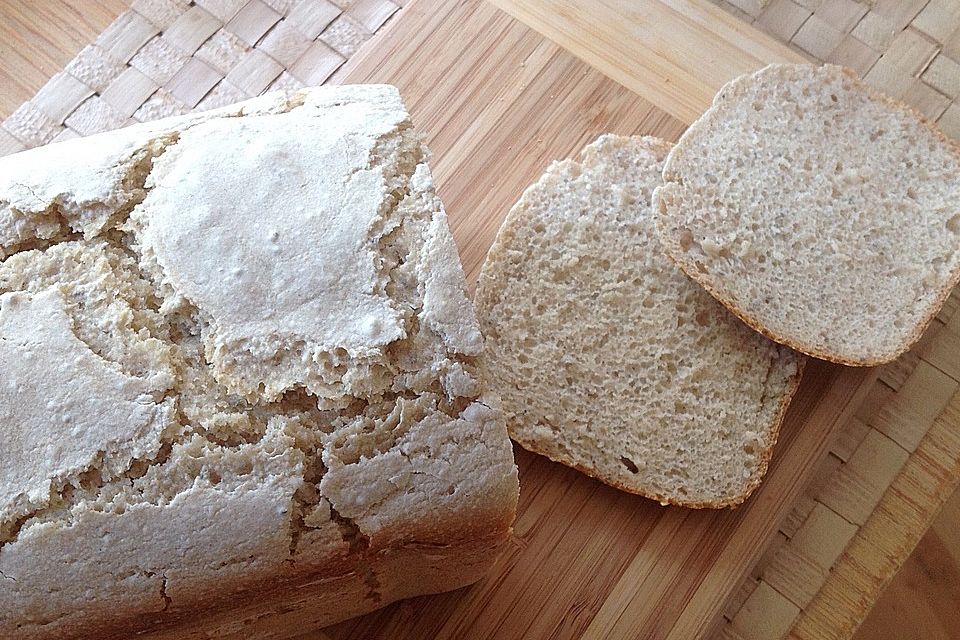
pixel 825 215
pixel 240 377
pixel 609 359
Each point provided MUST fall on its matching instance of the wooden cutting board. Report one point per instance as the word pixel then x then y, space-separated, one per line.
pixel 498 100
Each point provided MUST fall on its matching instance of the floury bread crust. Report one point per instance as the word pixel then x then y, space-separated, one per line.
pixel 608 357
pixel 238 361
pixel 825 215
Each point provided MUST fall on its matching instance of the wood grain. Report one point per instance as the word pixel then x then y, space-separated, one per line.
pixel 497 102
pixel 945 529
pixel 680 51
pixel 898 407
pixel 921 602
pixel 889 535
pixel 908 49
pixel 39 37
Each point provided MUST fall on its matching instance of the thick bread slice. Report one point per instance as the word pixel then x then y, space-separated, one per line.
pixel 825 215
pixel 609 359
pixel 239 370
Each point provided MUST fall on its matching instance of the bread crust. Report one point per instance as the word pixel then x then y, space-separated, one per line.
pixel 752 483
pixel 280 607
pixel 376 468
pixel 673 250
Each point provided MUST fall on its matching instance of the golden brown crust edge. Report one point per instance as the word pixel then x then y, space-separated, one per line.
pixel 486 296
pixel 753 482
pixel 672 249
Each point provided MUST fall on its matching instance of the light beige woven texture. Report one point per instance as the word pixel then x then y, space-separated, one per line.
pixel 909 49
pixel 167 57
pixel 898 459
pixel 895 462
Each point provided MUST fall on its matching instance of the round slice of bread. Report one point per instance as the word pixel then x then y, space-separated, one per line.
pixel 824 214
pixel 609 359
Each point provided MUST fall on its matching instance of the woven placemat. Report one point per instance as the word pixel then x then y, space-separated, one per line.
pixel 891 469
pixel 168 57
pixel 895 462
pixel 898 459
pixel 910 49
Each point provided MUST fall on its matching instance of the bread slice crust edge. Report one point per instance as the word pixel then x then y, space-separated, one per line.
pixel 674 252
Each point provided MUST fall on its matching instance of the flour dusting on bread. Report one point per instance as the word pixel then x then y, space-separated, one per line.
pixel 238 354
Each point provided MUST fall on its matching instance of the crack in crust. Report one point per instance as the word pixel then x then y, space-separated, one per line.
pixel 167 600
pixel 69 490
pixel 359 545
pixel 63 234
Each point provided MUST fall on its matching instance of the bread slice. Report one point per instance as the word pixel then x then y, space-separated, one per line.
pixel 825 215
pixel 239 376
pixel 609 359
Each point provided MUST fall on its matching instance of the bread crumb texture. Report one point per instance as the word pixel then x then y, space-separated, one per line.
pixel 609 359
pixel 824 214
pixel 236 350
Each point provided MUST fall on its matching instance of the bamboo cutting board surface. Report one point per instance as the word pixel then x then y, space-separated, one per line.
pixel 586 559
pixel 498 101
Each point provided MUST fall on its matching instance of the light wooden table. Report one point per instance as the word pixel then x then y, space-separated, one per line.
pixel 37 38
